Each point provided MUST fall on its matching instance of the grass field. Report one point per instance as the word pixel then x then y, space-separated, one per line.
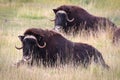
pixel 18 15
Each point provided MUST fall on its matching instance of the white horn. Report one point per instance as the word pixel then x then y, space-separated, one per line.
pixel 33 37
pixel 40 45
pixel 52 19
pixel 69 19
pixel 61 11
pixel 18 47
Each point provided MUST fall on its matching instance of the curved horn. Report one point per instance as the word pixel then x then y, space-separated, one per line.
pixel 52 19
pixel 33 37
pixel 40 45
pixel 61 11
pixel 69 19
pixel 18 47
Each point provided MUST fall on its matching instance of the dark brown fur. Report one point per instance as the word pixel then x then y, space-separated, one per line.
pixel 84 20
pixel 58 47
pixel 116 36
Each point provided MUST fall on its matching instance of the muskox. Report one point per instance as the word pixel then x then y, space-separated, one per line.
pixel 72 18
pixel 116 36
pixel 50 48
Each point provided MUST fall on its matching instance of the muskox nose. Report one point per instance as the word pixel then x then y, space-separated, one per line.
pixel 57 28
pixel 26 58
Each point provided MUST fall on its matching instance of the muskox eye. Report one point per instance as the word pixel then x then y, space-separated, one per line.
pixel 39 38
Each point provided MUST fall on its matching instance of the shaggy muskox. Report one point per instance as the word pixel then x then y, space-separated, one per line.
pixel 116 36
pixel 50 48
pixel 75 18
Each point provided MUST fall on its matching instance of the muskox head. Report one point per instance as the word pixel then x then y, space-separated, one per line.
pixel 61 19
pixel 29 45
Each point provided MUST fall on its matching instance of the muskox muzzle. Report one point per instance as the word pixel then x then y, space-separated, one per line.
pixel 61 20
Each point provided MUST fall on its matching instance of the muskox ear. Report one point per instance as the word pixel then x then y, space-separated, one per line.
pixel 55 10
pixel 21 37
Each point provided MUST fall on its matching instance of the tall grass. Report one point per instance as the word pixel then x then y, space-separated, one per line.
pixel 18 15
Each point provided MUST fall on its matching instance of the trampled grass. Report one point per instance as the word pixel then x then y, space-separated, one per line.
pixel 16 17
